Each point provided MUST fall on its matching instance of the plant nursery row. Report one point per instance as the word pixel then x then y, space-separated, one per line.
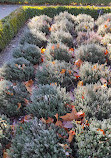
pixel 55 95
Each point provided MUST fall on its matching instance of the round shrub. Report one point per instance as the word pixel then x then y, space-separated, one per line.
pixel 84 26
pixel 95 100
pixel 34 37
pixel 92 73
pixel 103 18
pixel 63 25
pixel 62 36
pixel 106 39
pixel 47 100
pixel 58 51
pixel 60 72
pixel 88 38
pixel 84 18
pixel 64 15
pixel 36 140
pixel 40 23
pixel 5 133
pixel 104 29
pixel 30 52
pixel 96 140
pixel 18 70
pixel 91 52
pixel 41 18
pixel 12 98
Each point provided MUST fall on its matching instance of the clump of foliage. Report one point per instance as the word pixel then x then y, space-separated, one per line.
pixel 94 141
pixel 18 70
pixel 60 72
pixel 84 27
pixel 106 39
pixel 37 140
pixel 84 18
pixel 103 18
pixel 95 100
pixel 62 36
pixel 104 29
pixel 28 51
pixel 41 18
pixel 63 25
pixel 34 37
pixel 65 15
pixel 88 38
pixel 5 133
pixel 12 98
pixel 47 100
pixel 92 53
pixel 58 51
pixel 92 73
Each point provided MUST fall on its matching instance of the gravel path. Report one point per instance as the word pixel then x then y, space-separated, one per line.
pixel 6 54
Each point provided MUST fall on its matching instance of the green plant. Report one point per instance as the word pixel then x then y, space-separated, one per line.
pixel 88 38
pixel 92 73
pixel 40 23
pixel 95 100
pixel 60 72
pixel 84 26
pixel 34 37
pixel 63 37
pixel 18 70
pixel 84 18
pixel 58 51
pixel 94 141
pixel 37 140
pixel 64 15
pixel 103 18
pixel 91 52
pixel 29 52
pixel 104 29
pixel 47 100
pixel 63 25
pixel 5 133
pixel 12 98
pixel 106 39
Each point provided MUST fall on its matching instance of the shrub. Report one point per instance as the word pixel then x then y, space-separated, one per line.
pixel 34 37
pixel 92 53
pixel 62 36
pixel 64 15
pixel 103 18
pixel 84 26
pixel 48 100
pixel 88 38
pixel 12 99
pixel 40 23
pixel 60 72
pixel 84 18
pixel 96 140
pixel 104 29
pixel 41 18
pixel 92 73
pixel 18 70
pixel 5 133
pixel 63 25
pixel 58 51
pixel 29 52
pixel 106 39
pixel 36 140
pixel 95 100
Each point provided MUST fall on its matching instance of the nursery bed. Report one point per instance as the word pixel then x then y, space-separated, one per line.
pixel 55 93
